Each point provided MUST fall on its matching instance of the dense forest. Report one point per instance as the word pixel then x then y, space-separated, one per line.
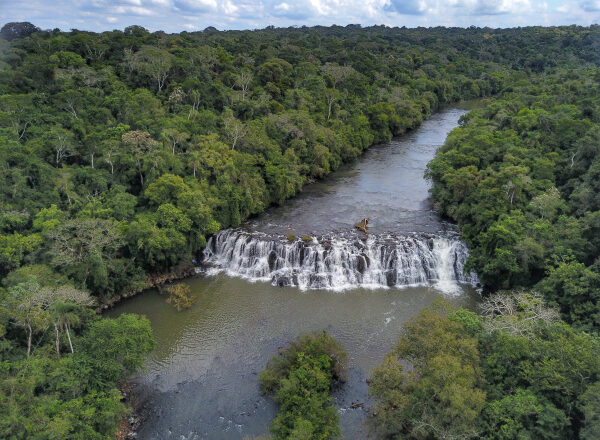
pixel 120 152
pixel 514 372
pixel 521 178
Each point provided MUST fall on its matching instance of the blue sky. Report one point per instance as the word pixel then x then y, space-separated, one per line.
pixel 191 15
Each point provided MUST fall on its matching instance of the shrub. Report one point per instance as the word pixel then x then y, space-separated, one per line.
pixel 300 378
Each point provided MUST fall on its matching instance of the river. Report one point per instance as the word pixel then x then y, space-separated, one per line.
pixel 201 381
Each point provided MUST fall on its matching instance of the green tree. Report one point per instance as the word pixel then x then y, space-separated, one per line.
pixel 114 348
pixel 13 30
pixel 83 247
pixel 180 296
pixel 144 149
pixel 300 379
pixel 30 309
pixel 155 63
pixel 441 395
pixel 590 406
pixel 576 290
pixel 63 304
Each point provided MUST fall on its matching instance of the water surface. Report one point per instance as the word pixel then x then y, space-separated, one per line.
pixel 385 184
pixel 201 381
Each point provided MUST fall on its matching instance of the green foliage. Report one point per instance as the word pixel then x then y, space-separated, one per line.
pixel 115 348
pixel 440 396
pixel 14 30
pixel 534 379
pixel 180 296
pixel 576 289
pixel 590 406
pixel 515 373
pixel 14 248
pixel 74 395
pixel 121 152
pixel 523 415
pixel 300 379
pixel 470 321
pixel 519 178
pixel 161 140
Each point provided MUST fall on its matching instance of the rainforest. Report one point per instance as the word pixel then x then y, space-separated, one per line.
pixel 132 159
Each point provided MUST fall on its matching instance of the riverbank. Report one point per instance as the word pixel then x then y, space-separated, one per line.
pixel 155 281
pixel 135 415
pixel 216 348
pixel 311 191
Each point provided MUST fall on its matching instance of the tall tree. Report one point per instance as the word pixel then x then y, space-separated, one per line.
pixel 143 148
pixel 154 62
pixel 439 397
pixel 80 245
pixel 64 302
pixel 28 300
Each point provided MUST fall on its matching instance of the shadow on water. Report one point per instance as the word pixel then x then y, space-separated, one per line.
pixel 201 381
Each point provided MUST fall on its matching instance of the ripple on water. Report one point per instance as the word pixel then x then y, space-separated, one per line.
pixel 202 380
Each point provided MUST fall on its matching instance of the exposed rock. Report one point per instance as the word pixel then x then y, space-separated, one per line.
pixel 363 224
pixel 179 273
pixel 272 259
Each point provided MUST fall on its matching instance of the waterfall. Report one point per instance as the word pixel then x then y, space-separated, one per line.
pixel 342 261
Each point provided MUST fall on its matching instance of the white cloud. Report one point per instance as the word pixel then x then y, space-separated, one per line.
pixel 283 7
pixel 196 5
pixel 229 8
pixel 564 8
pixel 492 7
pixel 134 10
pixel 296 10
pixel 408 7
pixel 590 5
pixel 470 7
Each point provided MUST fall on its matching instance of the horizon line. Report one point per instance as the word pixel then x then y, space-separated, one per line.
pixel 297 26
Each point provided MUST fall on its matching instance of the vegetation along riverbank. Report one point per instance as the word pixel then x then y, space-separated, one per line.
pixel 121 151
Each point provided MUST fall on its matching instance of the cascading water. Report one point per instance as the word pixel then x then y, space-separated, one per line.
pixel 342 261
pixel 214 349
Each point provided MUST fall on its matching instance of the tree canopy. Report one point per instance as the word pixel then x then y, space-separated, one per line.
pixel 122 151
pixel 519 177
pixel 160 140
pixel 513 373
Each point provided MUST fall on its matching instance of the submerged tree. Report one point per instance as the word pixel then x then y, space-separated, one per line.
pixel 180 296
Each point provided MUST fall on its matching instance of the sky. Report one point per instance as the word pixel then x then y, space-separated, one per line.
pixel 194 15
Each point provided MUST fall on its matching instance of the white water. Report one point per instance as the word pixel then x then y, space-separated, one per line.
pixel 202 378
pixel 341 262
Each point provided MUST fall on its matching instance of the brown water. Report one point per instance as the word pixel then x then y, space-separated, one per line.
pixel 201 381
